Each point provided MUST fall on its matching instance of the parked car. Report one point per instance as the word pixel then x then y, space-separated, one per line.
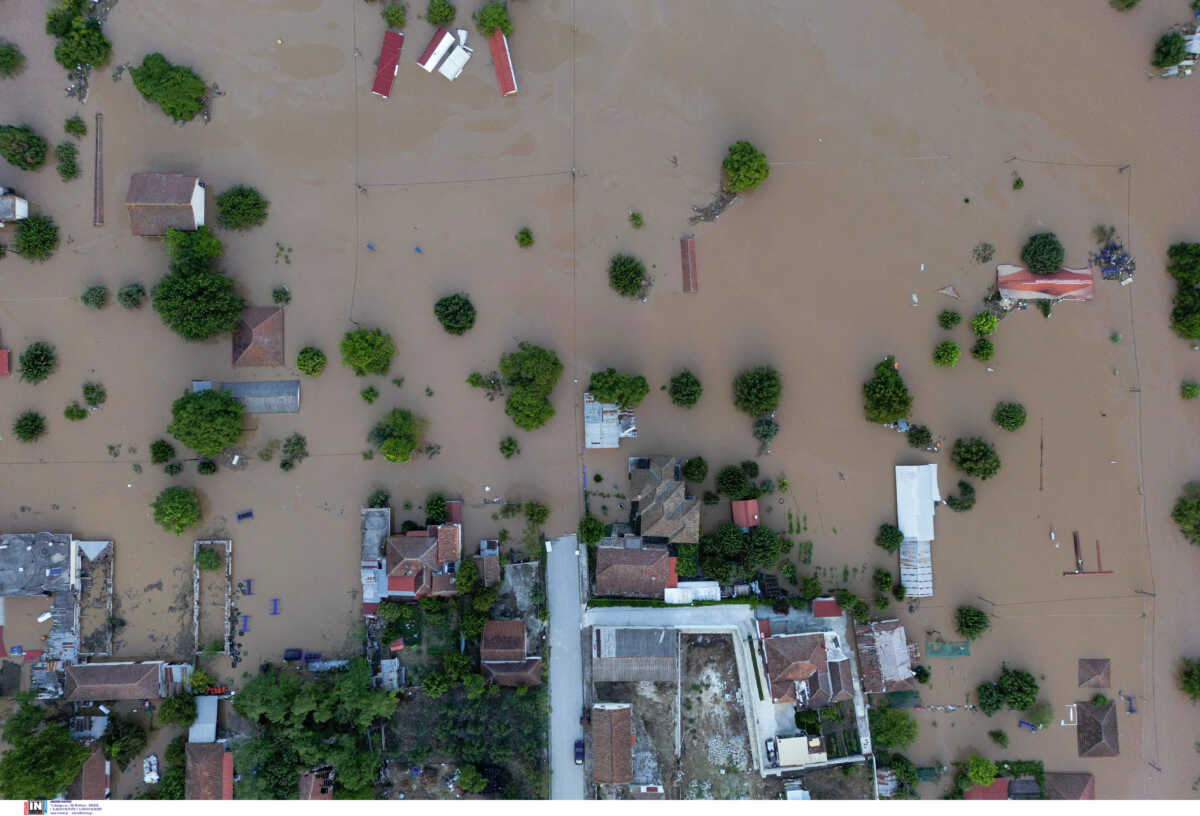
pixel 772 753
pixel 579 752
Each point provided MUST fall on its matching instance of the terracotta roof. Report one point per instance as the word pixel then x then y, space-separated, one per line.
pixel 841 681
pixel 506 78
pixel 1018 283
pixel 885 657
pixel 826 608
pixel 1096 733
pixel 93 781
pixel 205 777
pixel 489 569
pixel 997 790
pixel 113 681
pixel 1095 672
pixel 315 786
pixel 612 743
pixel 632 573
pixel 454 512
pixel 793 659
pixel 258 339
pixel 745 512
pixel 443 584
pixel 160 201
pixel 1070 786
pixel 502 641
pixel 3 362
pixel 526 673
pixel 449 543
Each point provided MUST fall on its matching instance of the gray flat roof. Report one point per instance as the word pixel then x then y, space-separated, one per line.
pixel 638 642
pixel 272 397
pixel 34 563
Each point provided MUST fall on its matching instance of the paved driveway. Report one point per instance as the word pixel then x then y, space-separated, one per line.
pixel 566 668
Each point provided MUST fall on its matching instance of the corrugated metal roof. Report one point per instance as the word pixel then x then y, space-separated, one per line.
pixel 273 397
pixel 916 568
pixel 916 496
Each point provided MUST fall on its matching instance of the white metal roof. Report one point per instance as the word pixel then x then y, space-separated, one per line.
pixel 454 63
pixel 688 591
pixel 916 496
pixel 916 568
pixel 204 728
pixel 605 424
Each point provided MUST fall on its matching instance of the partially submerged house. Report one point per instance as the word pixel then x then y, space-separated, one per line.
pixel 488 562
pixel 612 743
pixel 376 527
pixel 94 782
pixel 208 771
pixel 662 510
pixel 12 207
pixel 1095 672
pixel 686 592
pixel 421 563
pixel 798 752
pixel 1096 734
pixel 885 657
pixel 997 790
pixel 262 397
pixel 626 567
pixel 506 77
pixel 811 670
pixel 388 63
pixel 1016 283
pixel 446 54
pixel 917 496
pixel 745 513
pixel 258 338
pixel 158 202
pixel 826 608
pixel 1069 786
pixel 606 424
pixel 105 682
pixel 634 654
pixel 204 727
pixel 503 657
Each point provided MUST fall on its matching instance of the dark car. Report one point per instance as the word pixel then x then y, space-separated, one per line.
pixel 578 752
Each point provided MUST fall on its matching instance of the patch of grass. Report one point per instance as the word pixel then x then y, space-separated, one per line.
pixel 525 237
pixel 636 220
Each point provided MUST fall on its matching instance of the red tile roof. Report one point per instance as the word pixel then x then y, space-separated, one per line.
pixel 632 573
pixel 34 655
pixel 745 512
pixel 997 790
pixel 672 575
pixel 826 608
pixel 687 252
pixel 92 784
pixel 209 772
pixel 449 543
pixel 489 569
pixel 526 673
pixel 370 608
pixel 402 583
pixel 506 77
pixel 160 201
pixel 258 338
pixel 502 641
pixel 793 659
pixel 612 744
pixel 1060 785
pixel 454 512
pixel 113 681
pixel 385 69
pixel 3 362
pixel 443 584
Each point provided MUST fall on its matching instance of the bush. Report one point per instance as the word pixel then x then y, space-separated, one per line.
pixel 636 220
pixel 685 389
pixel 536 513
pixel 310 361
pixel 885 397
pixel 1009 415
pixel 971 622
pixel 965 499
pixel 74 412
pixel 241 207
pixel 764 430
pixel 440 12
pixel 983 252
pixel 745 167
pixel 1188 678
pixel 623 390
pixel 67 156
pixel 1189 390
pixel 379 498
pixel 948 319
pixel 491 16
pixel 979 771
pixel 176 509
pixel 206 421
pixel 627 275
pixel 367 351
pixel 524 237
pixel 1043 254
pixel 990 698
pixel 206 467
pixel 531 373
pixel 59 18
pixel 946 354
pixel 899 592
pixel 94 393
pixel 732 482
pixel 123 740
pixel 889 537
pixel 711 498
pixel 131 295
pixel 178 709
pixel 975 457
pixel 999 737
pixel 435 509
pixel 984 323
pixel 591 530
pixel 919 437
pixel 892 728
pixel 921 673
pixel 509 447
pixel 37 362
pixel 197 304
pixel 456 313
pixel 1183 263
pixel 810 587
pixel 176 89
pixel 29 426
pixel 1018 688
pixel 1040 715
pixel 12 60
pixel 295 451
pixel 173 468
pixel 369 394
pixel 882 580
pixel 95 297
pixel 757 390
pixel 750 468
pixel 1171 49
pixel 208 559
pixel 22 147
pixel 281 295
pixel 983 349
pixel 397 435
pixel 161 451
pixel 83 44
pixel 394 15
pixel 695 470
pixel 75 126
pixel 1186 512
pixel 37 238
pixel 1123 5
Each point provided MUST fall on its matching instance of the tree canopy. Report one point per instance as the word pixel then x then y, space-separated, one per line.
pixel 1171 49
pixel 37 362
pixel 195 301
pixel 1043 254
pixel 885 396
pixel 591 530
pixel 241 207
pixel 42 759
pixel 531 373
pixel 695 469
pixel 729 552
pixel 1018 688
pixel 310 361
pixel 1186 513
pixel 971 622
pixel 975 457
pixel 177 509
pixel 757 390
pixel 892 728
pixel 624 390
pixel 12 59
pixel 626 275
pixel 455 312
pixel 745 167
pixel 178 709
pixel 83 44
pixel 367 351
pixel 1009 415
pixel 733 483
pixel 22 147
pixel 979 771
pixel 1189 678
pixel 889 537
pixel 398 433
pixel 685 389
pixel 36 238
pixel 208 422
pixel 491 16
pixel 176 89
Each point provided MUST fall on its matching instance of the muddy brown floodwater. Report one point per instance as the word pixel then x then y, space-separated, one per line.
pixel 890 126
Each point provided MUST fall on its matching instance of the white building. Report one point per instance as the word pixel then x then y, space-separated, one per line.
pixel 606 424
pixel 917 498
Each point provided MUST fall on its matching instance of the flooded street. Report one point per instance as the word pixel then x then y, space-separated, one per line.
pixel 894 138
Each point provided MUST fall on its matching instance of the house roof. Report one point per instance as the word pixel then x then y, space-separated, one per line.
pixel 502 641
pixel 489 569
pixel 3 362
pixel 793 659
pixel 632 654
pixel 441 42
pixel 1095 672
pixel 916 568
pixel 1096 734
pixel 204 728
pixel 826 608
pixel 385 68
pixel 449 542
pixel 266 397
pixel 841 681
pixel 506 77
pixel 997 790
pixel 92 784
pixel 315 786
pixel 745 512
pixel 1018 283
pixel 34 563
pixel 885 657
pixel 209 771
pixel 665 510
pixel 612 743
pixel 528 672
pixel 605 424
pixel 632 573
pixel 1071 786
pixel 443 584
pixel 454 512
pixel 114 681
pixel 916 495
pixel 160 201
pixel 258 339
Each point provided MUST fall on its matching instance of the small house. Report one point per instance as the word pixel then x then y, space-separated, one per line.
pixel 1016 283
pixel 627 568
pixel 826 608
pixel 208 771
pixel 437 49
pixel 606 424
pixel 745 513
pixel 12 207
pixel 998 790
pixel 204 727
pixel 506 77
pixel 389 60
pixel 885 657
pixel 631 655
pixel 503 657
pixel 1096 734
pixel 1070 786
pixel 663 510
pixel 258 338
pixel 158 202
pixel 810 669
pixel 102 682
pixel 266 397
pixel 94 782
pixel 612 743
pixel 488 562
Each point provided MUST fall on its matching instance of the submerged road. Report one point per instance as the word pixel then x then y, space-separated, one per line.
pixel 566 667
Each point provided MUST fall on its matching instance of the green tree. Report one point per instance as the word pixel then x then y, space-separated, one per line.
pixel 905 771
pixel 975 457
pixel 685 389
pixel 946 354
pixel 1018 688
pixel 509 447
pixel 379 498
pixel 948 319
pixel 440 12
pixel 191 250
pixel 74 412
pixel 470 779
pixel 1183 263
pixel 241 207
pixel 732 482
pixel 757 390
pixel 176 89
pixel 161 451
pixel 971 622
pixel 176 509
pixel 763 547
pixel 310 361
pixel 688 563
pixel 37 362
pixel 810 587
pixel 1186 512
pixel 524 238
pixel 435 509
pixel 999 737
pixel 892 728
pixel 984 323
pixel 367 351
pixel 1188 678
pixel 83 44
pixel 208 422
pixel 197 305
pixel 695 470
pixel 882 580
pixel 745 167
pixel 131 296
pixel 1123 5
pixel 536 513
pixel 531 373
pixel 491 16
pixel 983 349
pixel 1009 415
pixel 627 275
pixel 591 530
pixel 455 312
pixel 12 59
pixel 885 397
pixel 178 709
pixel 66 154
pixel 467 580
pixel 475 685
pixel 29 426
pixel 95 297
pixel 624 390
pixel 36 238
pixel 394 15
pixel 990 698
pixel 42 759
pixel 75 126
pixel 1043 254
pixel 1041 714
pixel 965 499
pixel 123 740
pixel 979 771
pixel 397 434
pixel 1171 49
pixel 919 437
pixel 889 537
pixel 208 559
pixel 1189 390
pixel 22 147
pixel 899 592
pixel 435 684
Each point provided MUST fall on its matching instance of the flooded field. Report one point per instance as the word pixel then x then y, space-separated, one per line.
pixel 894 138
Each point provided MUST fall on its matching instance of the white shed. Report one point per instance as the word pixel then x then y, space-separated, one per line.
pixel 916 497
